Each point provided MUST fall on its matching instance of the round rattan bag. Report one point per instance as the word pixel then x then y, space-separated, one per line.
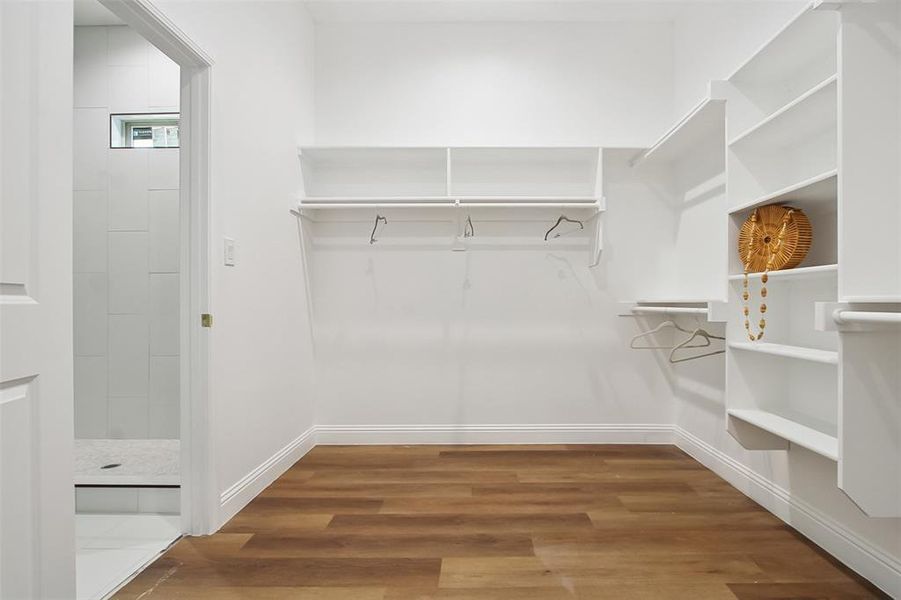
pixel 774 237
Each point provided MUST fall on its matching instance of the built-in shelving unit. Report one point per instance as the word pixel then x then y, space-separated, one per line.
pixel 699 132
pixel 782 111
pixel 807 117
pixel 474 188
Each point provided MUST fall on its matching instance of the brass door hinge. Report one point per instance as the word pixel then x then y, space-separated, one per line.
pixel 206 320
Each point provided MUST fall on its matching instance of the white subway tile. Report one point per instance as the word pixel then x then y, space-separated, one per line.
pixel 163 421
pixel 165 81
pixel 164 169
pixel 106 500
pixel 90 308
pixel 165 501
pixel 126 47
pixel 90 45
pixel 164 379
pixel 129 417
pixel 128 189
pixel 129 89
pixel 91 406
pixel 129 358
pixel 91 85
pixel 164 231
pixel 89 248
pixel 129 272
pixel 91 129
pixel 164 335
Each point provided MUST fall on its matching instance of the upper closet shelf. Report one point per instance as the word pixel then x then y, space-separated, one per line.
pixel 822 188
pixel 702 127
pixel 490 177
pixel 813 112
pixel 803 40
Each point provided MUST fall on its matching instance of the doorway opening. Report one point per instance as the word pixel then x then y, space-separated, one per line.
pixel 142 477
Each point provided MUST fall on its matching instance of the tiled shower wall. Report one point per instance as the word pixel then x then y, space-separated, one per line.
pixel 126 243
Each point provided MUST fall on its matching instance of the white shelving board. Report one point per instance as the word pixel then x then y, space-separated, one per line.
pixel 806 116
pixel 702 127
pixel 806 195
pixel 789 430
pixel 786 351
pixel 796 273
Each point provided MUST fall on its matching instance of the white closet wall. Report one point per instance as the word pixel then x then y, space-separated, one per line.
pixel 488 84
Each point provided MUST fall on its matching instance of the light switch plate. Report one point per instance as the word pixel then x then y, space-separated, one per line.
pixel 229 253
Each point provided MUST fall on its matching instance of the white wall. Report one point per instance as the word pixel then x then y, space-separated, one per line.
pixel 711 39
pixel 492 83
pixel 126 243
pixel 498 336
pixel 261 357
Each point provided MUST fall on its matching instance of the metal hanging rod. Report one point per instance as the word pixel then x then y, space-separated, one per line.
pixel 386 205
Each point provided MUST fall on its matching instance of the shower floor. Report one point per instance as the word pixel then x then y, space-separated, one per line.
pixel 141 462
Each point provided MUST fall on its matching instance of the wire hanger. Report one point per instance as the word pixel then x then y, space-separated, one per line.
pixel 375 226
pixel 687 344
pixel 557 224
pixel 469 231
pixel 659 328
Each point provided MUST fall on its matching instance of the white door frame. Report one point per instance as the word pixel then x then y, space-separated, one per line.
pixel 199 493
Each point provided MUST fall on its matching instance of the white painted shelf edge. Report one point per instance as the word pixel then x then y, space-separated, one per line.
pixel 827 357
pixel 831 81
pixel 796 433
pixel 700 111
pixel 766 199
pixel 798 272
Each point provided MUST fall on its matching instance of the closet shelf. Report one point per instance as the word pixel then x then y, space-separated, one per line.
pixel 812 112
pixel 817 189
pixel 705 123
pixel 797 352
pixel 796 433
pixel 685 310
pixel 350 202
pixel 796 273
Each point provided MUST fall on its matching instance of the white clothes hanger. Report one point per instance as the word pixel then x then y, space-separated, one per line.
pixel 659 328
pixel 687 344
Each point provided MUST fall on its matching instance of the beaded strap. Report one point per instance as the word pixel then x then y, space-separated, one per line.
pixel 765 277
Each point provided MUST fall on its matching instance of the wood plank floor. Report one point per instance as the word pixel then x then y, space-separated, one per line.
pixel 499 522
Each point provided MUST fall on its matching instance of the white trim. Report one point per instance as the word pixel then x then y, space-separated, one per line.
pixel 495 434
pixel 199 490
pixel 248 487
pixel 870 562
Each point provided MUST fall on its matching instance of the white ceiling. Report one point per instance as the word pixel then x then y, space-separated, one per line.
pixel 340 11
pixel 91 12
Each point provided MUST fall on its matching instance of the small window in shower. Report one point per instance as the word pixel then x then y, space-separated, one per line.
pixel 144 130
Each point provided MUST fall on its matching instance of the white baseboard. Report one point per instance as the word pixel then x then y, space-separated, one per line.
pixel 495 434
pixel 861 556
pixel 248 487
pixel 858 554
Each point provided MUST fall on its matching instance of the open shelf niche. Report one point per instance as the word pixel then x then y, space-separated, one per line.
pixel 429 195
pixel 682 180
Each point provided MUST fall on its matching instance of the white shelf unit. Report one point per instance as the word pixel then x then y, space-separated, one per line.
pixel 512 195
pixel 782 114
pixel 813 124
pixel 682 175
